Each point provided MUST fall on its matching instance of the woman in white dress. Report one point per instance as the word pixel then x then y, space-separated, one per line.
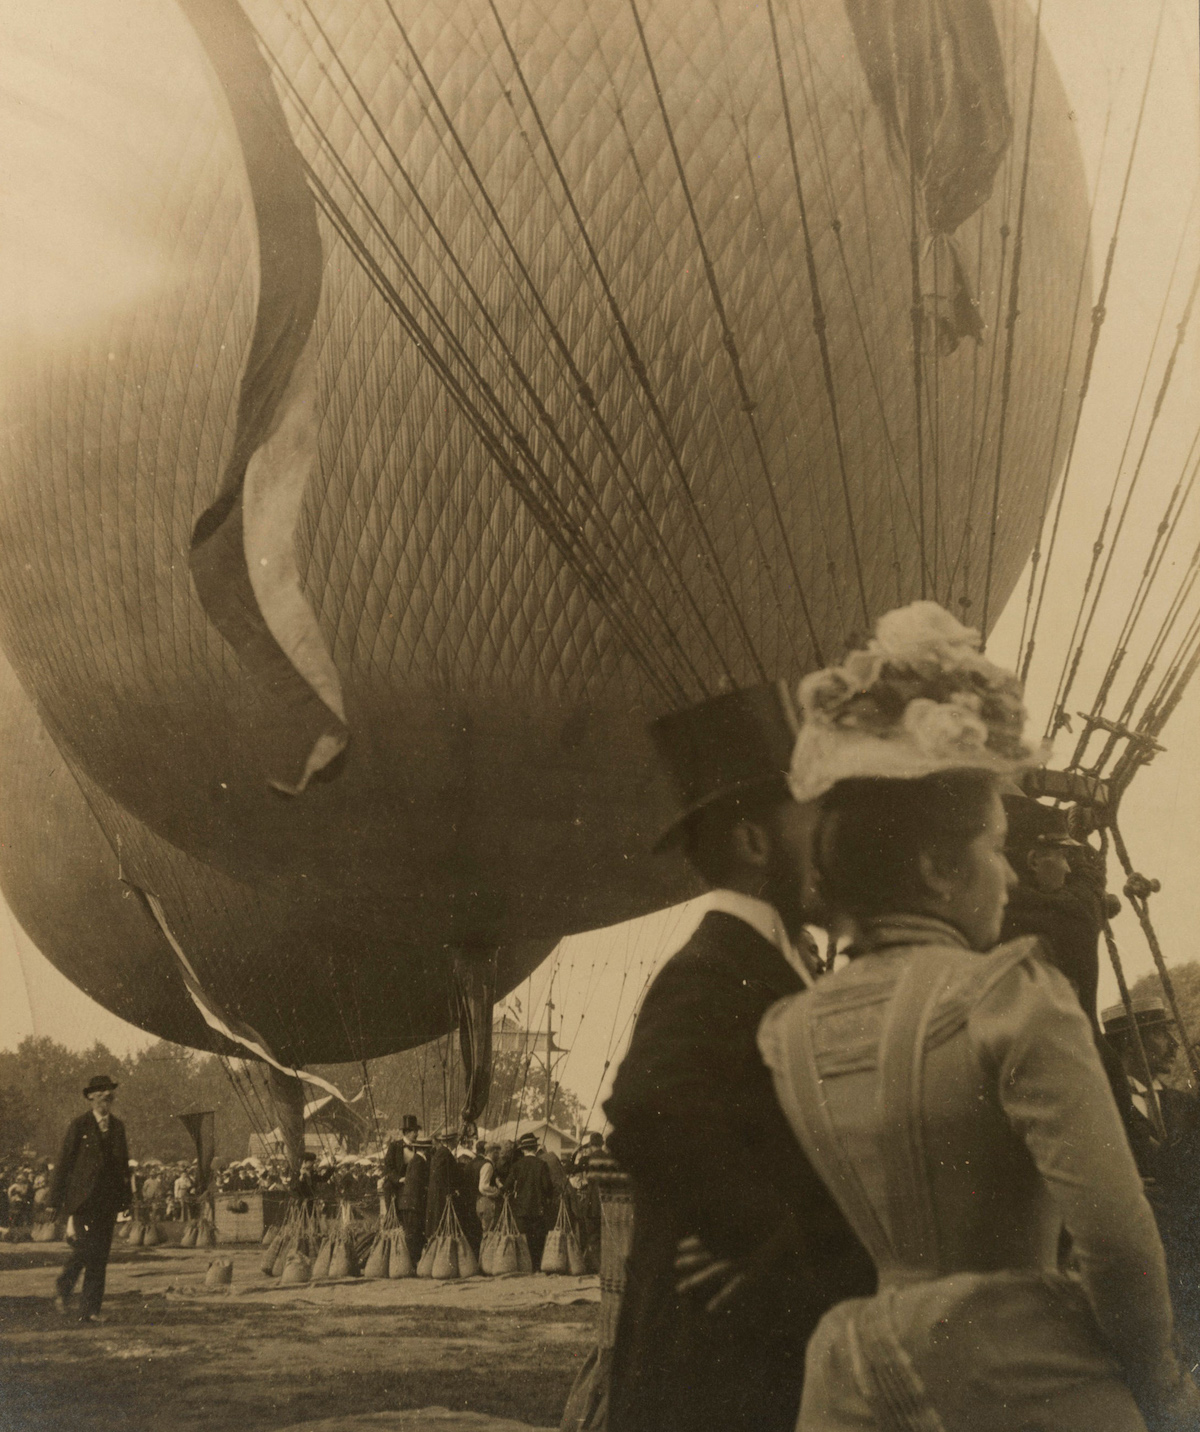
pixel 952 1099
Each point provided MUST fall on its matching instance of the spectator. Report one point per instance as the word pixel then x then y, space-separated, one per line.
pixel 487 1205
pixel 532 1194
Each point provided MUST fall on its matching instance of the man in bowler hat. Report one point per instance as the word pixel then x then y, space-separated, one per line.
pixel 91 1184
pixel 722 1349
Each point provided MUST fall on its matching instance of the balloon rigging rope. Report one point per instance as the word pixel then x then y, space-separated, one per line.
pixel 819 324
pixel 643 517
pixel 562 533
pixel 1036 557
pixel 559 534
pixel 729 341
pixel 1014 291
pixel 976 460
pixel 1163 537
pixel 1074 658
pixel 636 362
pixel 1099 313
pixel 1164 533
pixel 707 548
pixel 734 465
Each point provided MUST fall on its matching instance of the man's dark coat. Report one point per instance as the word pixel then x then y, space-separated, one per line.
pixel 91 1183
pixel 697 1127
pixel 93 1168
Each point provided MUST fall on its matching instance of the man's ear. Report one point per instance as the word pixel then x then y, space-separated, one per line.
pixel 751 841
pixel 940 879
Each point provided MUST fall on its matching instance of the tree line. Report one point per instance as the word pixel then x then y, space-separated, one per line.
pixel 41 1084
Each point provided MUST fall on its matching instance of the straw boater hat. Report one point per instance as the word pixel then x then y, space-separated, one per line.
pixel 918 699
pixel 1149 1012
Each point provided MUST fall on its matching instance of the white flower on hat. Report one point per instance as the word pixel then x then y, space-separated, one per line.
pixel 919 698
pixel 945 730
pixel 924 634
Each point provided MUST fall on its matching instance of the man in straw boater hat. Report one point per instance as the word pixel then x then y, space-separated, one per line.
pixel 1155 1150
pixel 1164 1132
pixel 91 1184
pixel 695 1120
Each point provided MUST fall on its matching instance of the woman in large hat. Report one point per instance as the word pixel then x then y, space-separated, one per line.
pixel 951 1098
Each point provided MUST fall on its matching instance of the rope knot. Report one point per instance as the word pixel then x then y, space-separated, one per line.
pixel 1141 887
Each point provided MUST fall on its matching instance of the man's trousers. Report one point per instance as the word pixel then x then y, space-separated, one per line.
pixel 94 1224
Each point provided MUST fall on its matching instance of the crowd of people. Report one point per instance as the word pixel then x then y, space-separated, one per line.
pixel 420 1177
pixel 24 1185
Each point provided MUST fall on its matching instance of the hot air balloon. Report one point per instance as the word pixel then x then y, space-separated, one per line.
pixel 409 401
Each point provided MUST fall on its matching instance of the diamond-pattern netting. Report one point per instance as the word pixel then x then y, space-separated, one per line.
pixel 533 218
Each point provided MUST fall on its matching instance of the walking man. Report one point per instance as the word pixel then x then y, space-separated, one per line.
pixel 91 1184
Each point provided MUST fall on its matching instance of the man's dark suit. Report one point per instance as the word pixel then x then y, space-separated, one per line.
pixel 91 1183
pixel 411 1204
pixel 698 1129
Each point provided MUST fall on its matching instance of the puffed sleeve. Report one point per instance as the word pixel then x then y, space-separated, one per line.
pixel 1029 1028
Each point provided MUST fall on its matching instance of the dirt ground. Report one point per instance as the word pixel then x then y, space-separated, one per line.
pixel 173 1356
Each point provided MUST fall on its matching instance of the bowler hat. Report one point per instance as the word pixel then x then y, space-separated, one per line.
pixel 97 1084
pixel 724 746
pixel 1149 1012
pixel 1034 826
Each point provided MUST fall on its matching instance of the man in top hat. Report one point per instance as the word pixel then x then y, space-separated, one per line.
pixel 773 1252
pixel 91 1184
pixel 396 1157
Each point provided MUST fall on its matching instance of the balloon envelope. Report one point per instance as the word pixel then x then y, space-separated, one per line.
pixel 577 459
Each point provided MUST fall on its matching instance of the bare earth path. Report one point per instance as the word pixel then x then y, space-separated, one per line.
pixel 352 1355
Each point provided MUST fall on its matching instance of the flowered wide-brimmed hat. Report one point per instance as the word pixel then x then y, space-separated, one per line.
pixel 918 699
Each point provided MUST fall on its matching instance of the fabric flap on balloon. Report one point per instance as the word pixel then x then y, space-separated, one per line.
pixel 936 71
pixel 242 558
pixel 219 1019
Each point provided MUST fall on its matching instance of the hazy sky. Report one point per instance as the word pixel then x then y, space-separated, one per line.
pixel 1101 48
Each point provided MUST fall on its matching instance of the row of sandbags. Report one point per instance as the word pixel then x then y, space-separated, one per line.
pixel 143 1233
pixel 199 1233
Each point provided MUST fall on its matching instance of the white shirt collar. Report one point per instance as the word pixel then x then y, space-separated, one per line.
pixel 766 920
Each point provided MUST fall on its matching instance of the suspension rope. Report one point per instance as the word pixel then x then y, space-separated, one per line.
pixel 1014 292
pixel 1025 652
pixel 636 362
pixel 1180 335
pixel 728 339
pixel 707 548
pixel 818 308
pixel 1165 531
pixel 642 516
pixel 1138 890
pixel 594 582
pixel 1099 313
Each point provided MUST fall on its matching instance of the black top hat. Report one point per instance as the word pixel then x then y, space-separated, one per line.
pixel 98 1083
pixel 409 1124
pixel 725 745
pixel 1032 825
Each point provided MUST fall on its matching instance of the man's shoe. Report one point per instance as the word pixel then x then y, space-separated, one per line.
pixel 95 1318
pixel 61 1305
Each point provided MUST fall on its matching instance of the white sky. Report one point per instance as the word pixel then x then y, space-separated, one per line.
pixel 1101 48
